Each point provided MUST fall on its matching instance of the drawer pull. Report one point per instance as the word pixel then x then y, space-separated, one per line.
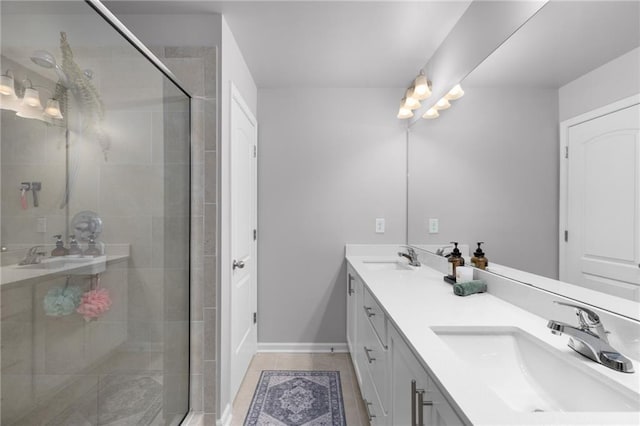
pixel 421 404
pixel 368 310
pixel 367 404
pixel 350 287
pixel 369 358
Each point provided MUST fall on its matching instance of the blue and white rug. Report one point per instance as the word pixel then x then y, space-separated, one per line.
pixel 297 398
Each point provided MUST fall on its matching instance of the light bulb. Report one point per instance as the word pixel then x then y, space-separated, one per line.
pixel 431 114
pixel 53 109
pixel 404 112
pixel 443 103
pixel 31 98
pixel 455 93
pixel 7 87
pixel 421 87
pixel 411 102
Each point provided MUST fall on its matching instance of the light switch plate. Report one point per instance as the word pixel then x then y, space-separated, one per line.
pixel 41 224
pixel 380 225
pixel 434 226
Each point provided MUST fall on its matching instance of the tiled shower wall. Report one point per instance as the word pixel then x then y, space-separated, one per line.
pixel 196 69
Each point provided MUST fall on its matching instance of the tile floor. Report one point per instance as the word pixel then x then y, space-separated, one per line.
pixel 353 405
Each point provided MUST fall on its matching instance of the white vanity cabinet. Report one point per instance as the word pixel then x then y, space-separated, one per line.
pixel 366 338
pixel 396 389
pixel 416 399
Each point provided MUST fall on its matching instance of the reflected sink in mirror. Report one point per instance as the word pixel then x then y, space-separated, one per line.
pixel 388 265
pixel 74 264
pixel 532 376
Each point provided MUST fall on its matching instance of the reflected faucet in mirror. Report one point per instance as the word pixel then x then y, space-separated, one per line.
pixel 590 339
pixel 33 257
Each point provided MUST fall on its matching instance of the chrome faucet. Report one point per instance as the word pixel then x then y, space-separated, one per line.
pixel 33 256
pixel 590 339
pixel 411 255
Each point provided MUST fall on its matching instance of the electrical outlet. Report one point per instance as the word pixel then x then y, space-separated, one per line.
pixel 434 226
pixel 380 225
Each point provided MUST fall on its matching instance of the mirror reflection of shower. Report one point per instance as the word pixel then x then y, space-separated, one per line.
pixel 87 123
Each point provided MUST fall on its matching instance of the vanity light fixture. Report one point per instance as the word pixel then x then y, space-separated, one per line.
pixel 443 103
pixel 409 101
pixel 431 114
pixel 8 98
pixel 455 93
pixel 53 109
pixel 31 96
pixel 421 87
pixel 404 112
pixel 7 85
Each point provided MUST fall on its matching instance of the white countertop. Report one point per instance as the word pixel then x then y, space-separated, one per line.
pixel 16 274
pixel 419 299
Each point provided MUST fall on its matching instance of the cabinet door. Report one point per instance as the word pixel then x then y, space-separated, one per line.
pixel 407 379
pixel 416 401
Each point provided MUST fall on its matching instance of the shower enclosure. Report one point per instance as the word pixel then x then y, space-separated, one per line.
pixel 95 150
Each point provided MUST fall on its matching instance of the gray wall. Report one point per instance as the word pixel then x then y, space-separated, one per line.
pixel 487 168
pixel 612 81
pixel 330 162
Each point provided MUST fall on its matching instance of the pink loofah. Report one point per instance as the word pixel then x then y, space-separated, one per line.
pixel 94 303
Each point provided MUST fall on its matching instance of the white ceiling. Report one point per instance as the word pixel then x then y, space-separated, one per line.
pixel 563 41
pixel 355 44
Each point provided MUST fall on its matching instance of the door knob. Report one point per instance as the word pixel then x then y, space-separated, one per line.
pixel 237 264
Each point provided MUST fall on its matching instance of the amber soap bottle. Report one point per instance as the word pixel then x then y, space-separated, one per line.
pixel 479 260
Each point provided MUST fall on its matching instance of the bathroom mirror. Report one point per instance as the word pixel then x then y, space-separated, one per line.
pixel 489 168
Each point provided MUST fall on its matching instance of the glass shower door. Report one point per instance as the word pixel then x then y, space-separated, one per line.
pixel 94 224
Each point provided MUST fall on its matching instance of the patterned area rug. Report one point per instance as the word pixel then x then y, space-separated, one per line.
pixel 297 398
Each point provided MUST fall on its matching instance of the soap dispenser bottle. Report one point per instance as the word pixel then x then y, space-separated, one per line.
pixel 455 260
pixel 74 247
pixel 92 249
pixel 479 260
pixel 60 250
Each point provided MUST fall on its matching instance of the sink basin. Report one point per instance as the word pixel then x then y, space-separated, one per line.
pixel 387 266
pixel 531 376
pixel 70 264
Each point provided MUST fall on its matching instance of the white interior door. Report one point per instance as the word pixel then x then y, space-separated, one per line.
pixel 603 203
pixel 243 244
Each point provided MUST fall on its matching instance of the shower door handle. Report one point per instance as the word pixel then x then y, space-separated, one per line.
pixel 238 264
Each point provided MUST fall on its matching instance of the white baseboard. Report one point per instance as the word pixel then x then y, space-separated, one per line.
pixel 225 419
pixel 303 347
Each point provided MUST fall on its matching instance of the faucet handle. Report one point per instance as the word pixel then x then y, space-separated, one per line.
pixel 586 316
pixel 589 320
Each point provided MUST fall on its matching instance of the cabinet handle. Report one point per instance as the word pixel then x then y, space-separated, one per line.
pixel 367 404
pixel 413 403
pixel 369 358
pixel 350 287
pixel 421 404
pixel 367 310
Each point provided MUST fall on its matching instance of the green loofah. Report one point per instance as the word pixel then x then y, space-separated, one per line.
pixel 61 301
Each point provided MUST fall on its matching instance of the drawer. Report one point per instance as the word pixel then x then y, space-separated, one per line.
pixel 376 316
pixel 374 410
pixel 375 360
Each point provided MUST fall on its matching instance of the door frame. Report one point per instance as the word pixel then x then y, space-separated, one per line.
pixel 564 169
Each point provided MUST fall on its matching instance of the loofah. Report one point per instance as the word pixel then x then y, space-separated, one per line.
pixel 61 301
pixel 94 303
